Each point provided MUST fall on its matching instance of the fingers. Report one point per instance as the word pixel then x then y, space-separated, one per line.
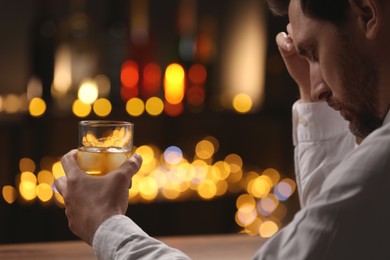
pixel 130 166
pixel 289 29
pixel 69 163
pixel 285 44
pixel 60 184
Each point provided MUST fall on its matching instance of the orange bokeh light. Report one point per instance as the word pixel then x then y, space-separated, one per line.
pixel 197 74
pixel 130 74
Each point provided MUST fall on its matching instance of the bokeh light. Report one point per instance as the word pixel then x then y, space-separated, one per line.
pixel 129 74
pixel 204 149
pixel 9 194
pixel 154 106
pixel 11 104
pixel 173 109
pixel 102 107
pixel 197 74
pixel 45 176
pixel 268 229
pixel 37 107
pixel 285 188
pixel 170 175
pixel 26 164
pixel 242 103
pixel 58 171
pixel 174 83
pixel 135 107
pixel 88 91
pixel 151 79
pixel 173 155
pixel 81 109
pixel 44 192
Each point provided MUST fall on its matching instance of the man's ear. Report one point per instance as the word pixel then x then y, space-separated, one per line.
pixel 369 14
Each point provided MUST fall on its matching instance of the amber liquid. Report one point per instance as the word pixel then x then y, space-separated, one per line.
pixel 100 161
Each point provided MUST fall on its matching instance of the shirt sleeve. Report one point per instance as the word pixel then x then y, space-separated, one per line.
pixel 349 217
pixel 120 238
pixel 321 138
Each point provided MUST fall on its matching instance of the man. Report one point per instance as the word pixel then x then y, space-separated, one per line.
pixel 337 52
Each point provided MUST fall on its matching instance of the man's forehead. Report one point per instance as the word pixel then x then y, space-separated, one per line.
pixel 295 15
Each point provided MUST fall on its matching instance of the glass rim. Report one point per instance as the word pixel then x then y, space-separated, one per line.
pixel 104 123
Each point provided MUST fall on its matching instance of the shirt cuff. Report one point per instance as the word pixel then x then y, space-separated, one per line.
pixel 316 121
pixel 111 232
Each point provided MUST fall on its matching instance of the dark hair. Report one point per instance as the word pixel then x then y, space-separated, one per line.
pixel 330 10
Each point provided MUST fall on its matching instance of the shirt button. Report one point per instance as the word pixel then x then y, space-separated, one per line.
pixel 302 121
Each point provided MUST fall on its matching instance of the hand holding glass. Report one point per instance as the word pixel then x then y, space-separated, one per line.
pixel 104 145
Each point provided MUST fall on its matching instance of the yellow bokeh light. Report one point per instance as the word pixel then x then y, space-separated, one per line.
pixel 204 149
pixel 146 152
pixel 135 107
pixel 9 194
pixel 235 177
pixel 26 165
pixel 273 175
pixel 45 176
pixel 11 104
pixel 268 229
pixel 135 183
pixel 57 170
pixel 253 228
pixel 213 174
pixel 154 106
pixel 37 107
pixel 214 141
pixel 234 161
pixel 197 171
pixel 242 103
pixel 174 73
pixel 27 186
pixel 245 200
pixel 102 107
pixel 27 178
pixel 88 91
pixel 260 187
pixel 207 189
pixel 148 188
pixel 44 192
pixel 224 169
pixel 81 109
pixel 170 194
pixel 160 176
pixel 174 83
pixel 222 187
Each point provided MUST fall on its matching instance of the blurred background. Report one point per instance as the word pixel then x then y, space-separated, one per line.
pixel 201 80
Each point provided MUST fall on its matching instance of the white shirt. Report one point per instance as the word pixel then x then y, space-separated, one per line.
pixel 343 191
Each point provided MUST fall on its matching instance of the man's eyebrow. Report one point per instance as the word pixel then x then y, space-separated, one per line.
pixel 304 49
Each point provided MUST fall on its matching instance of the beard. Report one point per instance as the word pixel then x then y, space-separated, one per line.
pixel 359 99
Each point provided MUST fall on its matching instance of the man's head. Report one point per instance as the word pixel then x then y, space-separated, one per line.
pixel 344 43
pixel 330 10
